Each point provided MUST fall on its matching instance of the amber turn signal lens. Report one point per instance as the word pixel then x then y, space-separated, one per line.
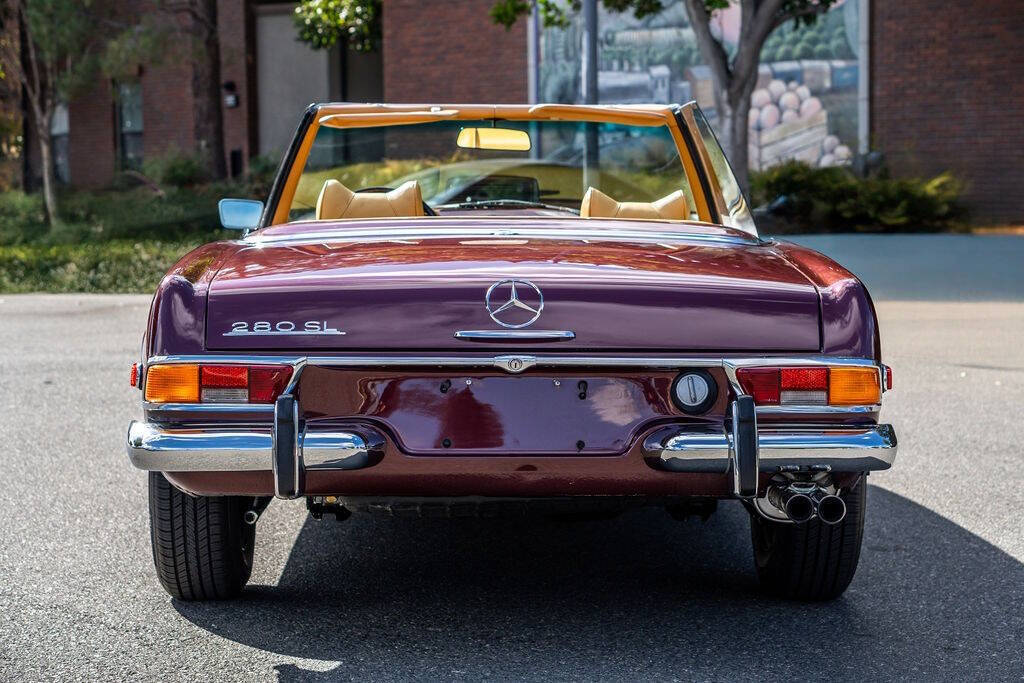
pixel 172 384
pixel 854 386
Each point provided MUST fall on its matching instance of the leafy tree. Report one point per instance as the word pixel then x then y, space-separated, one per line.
pixel 324 23
pixel 56 58
pixel 65 45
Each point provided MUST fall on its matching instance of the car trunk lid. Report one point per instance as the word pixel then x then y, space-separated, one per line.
pixel 611 291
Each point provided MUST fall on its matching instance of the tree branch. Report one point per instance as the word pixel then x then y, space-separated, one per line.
pixel 710 49
pixel 761 22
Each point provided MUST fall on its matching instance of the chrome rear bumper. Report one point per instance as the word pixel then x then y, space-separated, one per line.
pixel 854 449
pixel 152 447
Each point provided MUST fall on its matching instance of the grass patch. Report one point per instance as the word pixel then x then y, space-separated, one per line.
pixel 114 266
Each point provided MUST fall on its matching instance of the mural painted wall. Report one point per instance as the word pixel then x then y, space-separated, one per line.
pixel 805 104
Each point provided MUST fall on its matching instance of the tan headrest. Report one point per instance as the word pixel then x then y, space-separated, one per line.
pixel 597 204
pixel 337 201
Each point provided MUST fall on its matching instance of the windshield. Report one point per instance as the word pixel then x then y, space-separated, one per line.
pixel 561 161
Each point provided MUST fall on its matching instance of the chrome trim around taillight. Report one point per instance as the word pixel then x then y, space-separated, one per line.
pixel 516 363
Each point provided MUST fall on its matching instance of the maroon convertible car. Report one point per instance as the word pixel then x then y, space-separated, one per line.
pixel 469 309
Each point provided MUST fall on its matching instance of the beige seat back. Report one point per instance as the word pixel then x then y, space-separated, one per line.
pixel 337 201
pixel 597 204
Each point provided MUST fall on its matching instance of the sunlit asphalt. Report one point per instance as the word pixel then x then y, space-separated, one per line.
pixel 938 595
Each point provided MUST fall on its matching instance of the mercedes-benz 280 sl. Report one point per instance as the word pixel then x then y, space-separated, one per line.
pixel 470 309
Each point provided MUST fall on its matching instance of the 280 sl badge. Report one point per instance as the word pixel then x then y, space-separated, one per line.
pixel 264 328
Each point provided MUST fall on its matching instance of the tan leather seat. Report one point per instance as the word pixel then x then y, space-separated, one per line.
pixel 337 201
pixel 597 204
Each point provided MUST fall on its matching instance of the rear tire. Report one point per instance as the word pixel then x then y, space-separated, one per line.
pixel 813 560
pixel 202 547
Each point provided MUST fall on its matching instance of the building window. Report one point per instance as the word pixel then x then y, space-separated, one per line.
pixel 129 125
pixel 59 130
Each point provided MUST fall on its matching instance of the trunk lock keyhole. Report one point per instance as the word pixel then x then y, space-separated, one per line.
pixel 582 386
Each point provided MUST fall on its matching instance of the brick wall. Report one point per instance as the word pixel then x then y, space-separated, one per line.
pixel 451 52
pixel 947 92
pixel 235 62
pixel 166 105
pixel 91 151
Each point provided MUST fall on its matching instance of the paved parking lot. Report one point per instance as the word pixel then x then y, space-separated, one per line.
pixel 938 594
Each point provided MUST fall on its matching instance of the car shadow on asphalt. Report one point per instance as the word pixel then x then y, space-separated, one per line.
pixel 640 595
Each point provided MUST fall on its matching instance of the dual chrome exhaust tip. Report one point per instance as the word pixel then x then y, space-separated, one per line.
pixel 802 502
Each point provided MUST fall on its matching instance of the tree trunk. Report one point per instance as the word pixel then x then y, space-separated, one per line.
pixel 209 118
pixel 46 160
pixel 738 152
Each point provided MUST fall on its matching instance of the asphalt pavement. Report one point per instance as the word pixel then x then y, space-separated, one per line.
pixel 939 594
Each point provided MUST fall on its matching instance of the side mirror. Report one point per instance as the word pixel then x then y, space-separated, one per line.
pixel 240 214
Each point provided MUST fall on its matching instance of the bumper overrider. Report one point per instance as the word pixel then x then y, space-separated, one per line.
pixel 289 447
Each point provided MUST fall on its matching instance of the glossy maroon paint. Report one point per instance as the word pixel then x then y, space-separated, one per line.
pixel 492 413
pixel 713 291
pixel 613 292
pixel 849 326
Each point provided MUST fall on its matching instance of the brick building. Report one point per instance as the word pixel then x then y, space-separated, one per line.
pixel 968 125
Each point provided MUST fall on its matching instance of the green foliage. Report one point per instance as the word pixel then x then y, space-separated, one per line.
pixel 137 214
pixel 63 36
pixel 836 200
pixel 121 266
pixel 325 23
pixel 554 13
pixel 176 169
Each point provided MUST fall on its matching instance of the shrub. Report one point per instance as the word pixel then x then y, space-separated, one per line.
pixel 176 169
pixel 22 217
pixel 178 214
pixel 121 266
pixel 837 200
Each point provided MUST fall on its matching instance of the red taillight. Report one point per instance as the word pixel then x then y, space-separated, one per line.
pixel 224 376
pixel 815 386
pixel 761 383
pixel 134 377
pixel 804 379
pixel 803 386
pixel 266 382
pixel 242 384
pixel 888 378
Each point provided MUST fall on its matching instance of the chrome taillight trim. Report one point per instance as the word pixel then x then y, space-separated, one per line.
pixel 516 363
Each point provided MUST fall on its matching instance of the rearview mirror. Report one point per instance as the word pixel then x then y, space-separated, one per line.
pixel 240 214
pixel 505 139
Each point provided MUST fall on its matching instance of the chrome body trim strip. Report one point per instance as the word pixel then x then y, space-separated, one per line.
pixel 842 449
pixel 490 335
pixel 515 363
pixel 211 407
pixel 817 409
pixel 367 233
pixel 152 447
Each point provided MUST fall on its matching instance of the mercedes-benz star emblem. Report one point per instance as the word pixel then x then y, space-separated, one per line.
pixel 514 303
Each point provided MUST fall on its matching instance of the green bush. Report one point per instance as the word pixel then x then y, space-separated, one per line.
pixel 176 169
pixel 119 266
pixel 837 200
pixel 139 213
pixel 22 217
